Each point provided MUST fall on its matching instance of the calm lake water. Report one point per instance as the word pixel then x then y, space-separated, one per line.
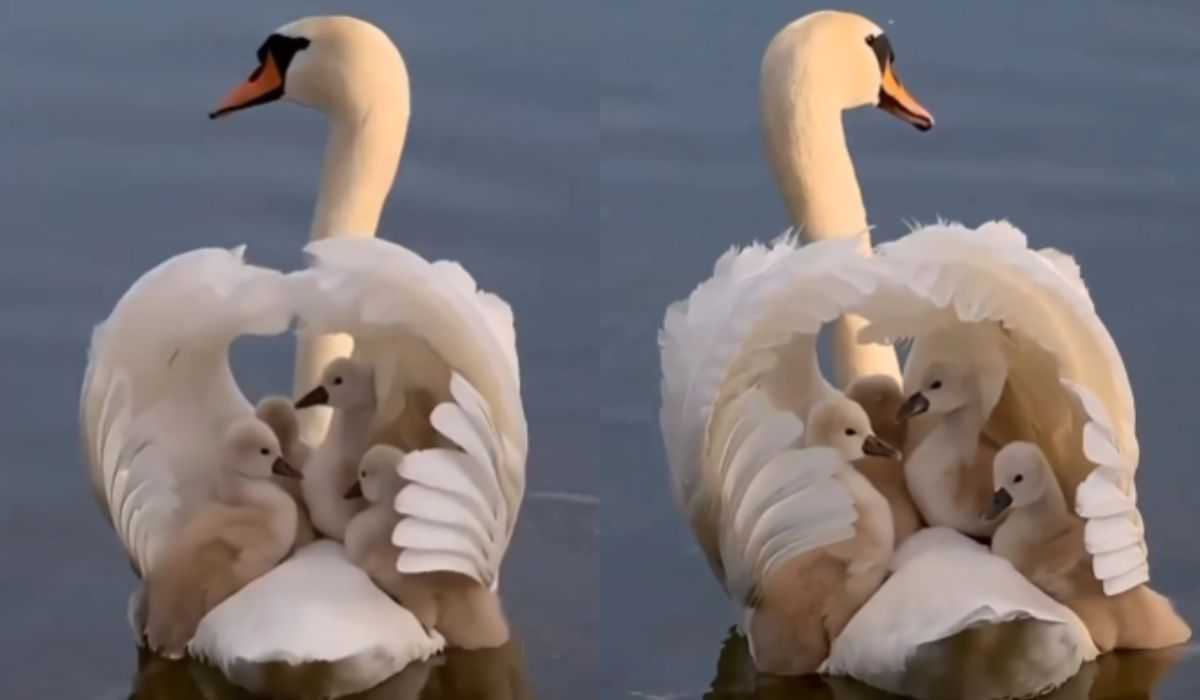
pixel 588 161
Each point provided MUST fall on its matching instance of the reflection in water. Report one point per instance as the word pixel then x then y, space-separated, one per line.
pixel 488 674
pixel 1124 676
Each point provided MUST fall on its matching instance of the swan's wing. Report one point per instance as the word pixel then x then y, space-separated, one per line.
pixel 418 324
pixel 942 584
pixel 778 501
pixel 455 513
pixel 158 386
pixel 753 323
pixel 315 607
pixel 986 294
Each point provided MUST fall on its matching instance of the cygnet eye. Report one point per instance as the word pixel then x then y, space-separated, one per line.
pixel 851 432
pixel 337 381
pixel 1018 478
pixel 264 452
pixel 937 384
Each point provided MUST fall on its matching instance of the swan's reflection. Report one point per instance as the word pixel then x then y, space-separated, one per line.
pixel 489 674
pixel 1123 676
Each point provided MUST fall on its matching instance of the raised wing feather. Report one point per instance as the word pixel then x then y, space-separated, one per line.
pixel 1066 388
pixel 419 324
pixel 457 516
pixel 158 388
pixel 752 324
pixel 779 500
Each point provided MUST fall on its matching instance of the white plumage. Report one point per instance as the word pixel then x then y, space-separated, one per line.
pixel 1066 388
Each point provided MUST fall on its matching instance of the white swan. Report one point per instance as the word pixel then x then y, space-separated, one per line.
pixel 733 334
pixel 447 345
pixel 814 69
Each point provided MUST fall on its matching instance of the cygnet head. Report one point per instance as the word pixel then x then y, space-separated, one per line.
pixel 879 394
pixel 280 415
pixel 940 388
pixel 338 65
pixel 346 384
pixel 842 58
pixel 251 450
pixel 378 475
pixel 1021 475
pixel 843 425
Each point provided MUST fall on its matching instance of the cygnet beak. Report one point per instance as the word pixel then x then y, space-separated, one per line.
pixel 355 491
pixel 879 448
pixel 316 397
pixel 282 468
pixel 914 405
pixel 1001 500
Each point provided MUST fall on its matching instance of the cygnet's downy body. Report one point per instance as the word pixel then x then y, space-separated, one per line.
pixel 467 614
pixel 1045 542
pixel 348 387
pixel 880 396
pixel 805 603
pixel 949 471
pixel 280 415
pixel 248 528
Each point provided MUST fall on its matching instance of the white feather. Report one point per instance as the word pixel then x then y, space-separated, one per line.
pixel 948 278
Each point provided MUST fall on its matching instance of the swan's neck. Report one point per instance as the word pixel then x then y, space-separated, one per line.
pixel 816 174
pixel 963 427
pixel 361 159
pixel 806 144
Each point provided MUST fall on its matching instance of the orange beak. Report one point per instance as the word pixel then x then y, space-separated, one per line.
pixel 264 85
pixel 895 99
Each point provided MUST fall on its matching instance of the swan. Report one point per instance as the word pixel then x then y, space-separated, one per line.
pixel 1046 543
pixel 813 70
pixel 751 326
pixel 445 371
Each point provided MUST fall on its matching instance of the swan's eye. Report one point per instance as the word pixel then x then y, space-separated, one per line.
pixel 937 384
pixel 851 432
pixel 264 452
pixel 337 381
pixel 1018 478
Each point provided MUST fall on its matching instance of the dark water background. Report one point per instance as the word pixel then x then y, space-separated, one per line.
pixel 588 161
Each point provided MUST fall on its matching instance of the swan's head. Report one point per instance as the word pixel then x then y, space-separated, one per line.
pixel 280 415
pixel 842 59
pixel 338 65
pixel 378 475
pixel 1020 474
pixel 250 449
pixel 346 383
pixel 843 425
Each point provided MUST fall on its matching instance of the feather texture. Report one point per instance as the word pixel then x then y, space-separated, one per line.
pixel 740 371
pixel 1066 389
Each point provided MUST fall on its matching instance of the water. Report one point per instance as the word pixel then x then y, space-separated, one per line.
pixel 589 161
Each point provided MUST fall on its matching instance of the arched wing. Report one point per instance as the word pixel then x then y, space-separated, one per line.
pixel 1067 389
pixel 778 500
pixel 158 382
pixel 752 324
pixel 455 513
pixel 392 301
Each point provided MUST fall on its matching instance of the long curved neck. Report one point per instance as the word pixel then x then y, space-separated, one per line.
pixel 361 159
pixel 806 145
